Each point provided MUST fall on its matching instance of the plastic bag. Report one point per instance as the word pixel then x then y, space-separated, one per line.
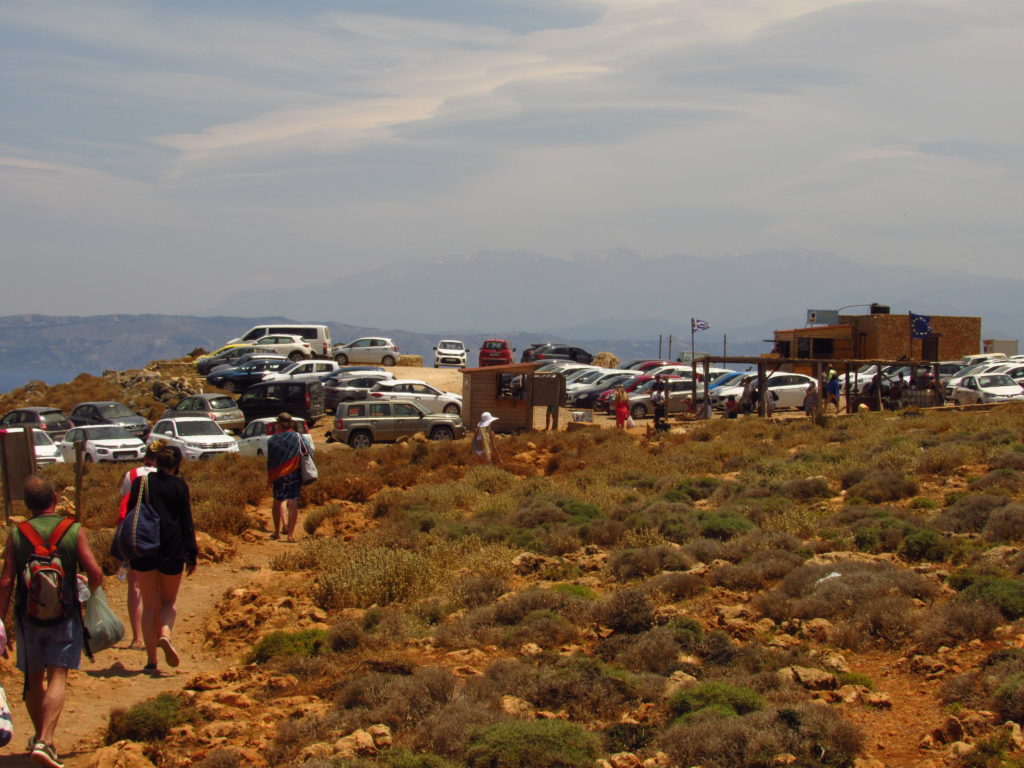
pixel 104 627
pixel 630 423
pixel 6 721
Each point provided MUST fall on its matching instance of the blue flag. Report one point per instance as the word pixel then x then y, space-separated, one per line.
pixel 699 325
pixel 920 326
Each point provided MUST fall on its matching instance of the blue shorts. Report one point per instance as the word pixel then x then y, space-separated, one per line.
pixel 57 646
pixel 287 487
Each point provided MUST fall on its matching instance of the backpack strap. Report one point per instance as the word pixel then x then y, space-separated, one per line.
pixel 43 549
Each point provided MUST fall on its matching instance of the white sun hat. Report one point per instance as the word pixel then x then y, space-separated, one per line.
pixel 486 419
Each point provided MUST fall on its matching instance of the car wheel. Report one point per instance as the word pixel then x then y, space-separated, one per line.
pixel 387 360
pixel 296 356
pixel 341 359
pixel 638 411
pixel 442 433
pixel 229 386
pixel 360 440
pixel 259 451
pixel 451 408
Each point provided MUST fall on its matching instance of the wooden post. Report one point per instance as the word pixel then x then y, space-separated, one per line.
pixel 705 406
pixel 79 472
pixel 762 381
pixel 939 391
pixel 849 400
pixel 878 389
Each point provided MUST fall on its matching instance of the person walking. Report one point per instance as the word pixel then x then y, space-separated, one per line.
pixel 284 457
pixel 159 575
pixel 483 447
pixel 834 390
pixel 812 400
pixel 46 651
pixel 621 407
pixel 134 593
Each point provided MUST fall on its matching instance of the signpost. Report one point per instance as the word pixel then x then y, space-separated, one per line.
pixel 17 462
pixel 823 317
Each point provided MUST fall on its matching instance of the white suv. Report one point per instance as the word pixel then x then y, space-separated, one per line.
pixel 450 352
pixel 432 399
pixel 197 437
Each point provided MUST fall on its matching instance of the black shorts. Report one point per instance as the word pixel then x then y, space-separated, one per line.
pixel 166 567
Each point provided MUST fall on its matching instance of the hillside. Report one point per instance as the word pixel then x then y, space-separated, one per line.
pixel 732 595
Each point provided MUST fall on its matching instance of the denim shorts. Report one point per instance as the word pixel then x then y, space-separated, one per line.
pixel 287 487
pixel 59 645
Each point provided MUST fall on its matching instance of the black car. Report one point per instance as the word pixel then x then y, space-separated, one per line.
pixel 228 357
pixel 248 357
pixel 304 399
pixel 351 386
pixel 109 412
pixel 551 351
pixel 586 397
pixel 52 421
pixel 241 378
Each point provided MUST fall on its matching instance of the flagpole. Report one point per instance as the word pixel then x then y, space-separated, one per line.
pixel 693 348
pixel 910 340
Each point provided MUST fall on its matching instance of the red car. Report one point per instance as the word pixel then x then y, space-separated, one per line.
pixel 495 352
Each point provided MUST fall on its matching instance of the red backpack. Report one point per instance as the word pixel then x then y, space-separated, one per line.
pixel 43 575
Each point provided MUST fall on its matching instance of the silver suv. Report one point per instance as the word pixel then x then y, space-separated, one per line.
pixel 364 422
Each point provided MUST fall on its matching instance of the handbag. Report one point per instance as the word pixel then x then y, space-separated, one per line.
pixel 6 721
pixel 307 468
pixel 138 535
pixel 104 629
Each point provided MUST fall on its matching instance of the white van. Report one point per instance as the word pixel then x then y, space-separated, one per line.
pixel 318 336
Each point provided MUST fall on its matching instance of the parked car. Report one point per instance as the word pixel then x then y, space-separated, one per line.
pixel 253 440
pixel 790 388
pixel 109 412
pixel 197 437
pixel 227 355
pixel 219 408
pixel 552 351
pixel 304 399
pixel 450 352
pixel 586 396
pixel 976 369
pixel 431 398
pixel 495 352
pixel 351 386
pixel 987 388
pixel 244 376
pixel 604 399
pixel 293 347
pixel 43 446
pixel 306 369
pixel 318 336
pixel 370 349
pixel 363 423
pixel 49 420
pixel 679 389
pixel 102 443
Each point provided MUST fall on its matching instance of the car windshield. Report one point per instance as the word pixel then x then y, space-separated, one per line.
pixel 221 403
pixel 450 345
pixel 198 429
pixel 998 380
pixel 41 438
pixel 115 410
pixel 107 433
pixel 493 345
pixel 53 417
pixel 586 378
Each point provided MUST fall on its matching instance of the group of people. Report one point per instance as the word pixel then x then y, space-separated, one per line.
pixel 833 389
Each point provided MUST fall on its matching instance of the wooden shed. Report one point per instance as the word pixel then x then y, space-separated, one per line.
pixel 510 392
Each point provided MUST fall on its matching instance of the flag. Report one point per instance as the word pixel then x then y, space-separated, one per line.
pixel 920 326
pixel 699 325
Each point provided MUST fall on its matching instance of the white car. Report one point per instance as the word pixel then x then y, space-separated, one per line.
pixel 450 352
pixel 372 349
pixel 195 436
pixel 44 448
pixel 987 388
pixel 305 370
pixel 253 440
pixel 977 369
pixel 295 348
pixel 791 389
pixel 686 371
pixel 434 400
pixel 101 442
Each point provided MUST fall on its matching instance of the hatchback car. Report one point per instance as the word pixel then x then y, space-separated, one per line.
pixel 220 408
pixel 987 388
pixel 306 369
pixel 253 440
pixel 49 420
pixel 197 437
pixel 351 386
pixel 109 412
pixel 249 357
pixel 44 448
pixel 101 443
pixel 495 352
pixel 552 351
pixel 791 388
pixel 450 352
pixel 431 398
pixel 362 423
pixel 293 347
pixel 227 355
pixel 370 349
pixel 241 378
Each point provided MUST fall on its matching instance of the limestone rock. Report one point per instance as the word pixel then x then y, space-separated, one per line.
pixel 122 754
pixel 679 681
pixel 868 762
pixel 530 649
pixel 834 661
pixel 359 743
pixel 1016 737
pixel 625 760
pixel 381 733
pixel 320 750
pixel 951 730
pixel 527 562
pixel 784 759
pixel 877 699
pixel 810 678
pixel 513 705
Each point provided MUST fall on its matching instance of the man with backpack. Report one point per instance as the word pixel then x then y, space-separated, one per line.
pixel 44 557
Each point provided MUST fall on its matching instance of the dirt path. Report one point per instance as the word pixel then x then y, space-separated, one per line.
pixel 115 678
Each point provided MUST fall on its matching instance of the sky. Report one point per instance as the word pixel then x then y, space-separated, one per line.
pixel 159 156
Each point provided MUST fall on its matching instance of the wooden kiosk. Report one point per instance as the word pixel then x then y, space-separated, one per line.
pixel 510 392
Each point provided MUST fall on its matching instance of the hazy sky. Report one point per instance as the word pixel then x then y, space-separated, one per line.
pixel 157 156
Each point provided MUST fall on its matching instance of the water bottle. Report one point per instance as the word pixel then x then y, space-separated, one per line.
pixel 83 591
pixel 122 572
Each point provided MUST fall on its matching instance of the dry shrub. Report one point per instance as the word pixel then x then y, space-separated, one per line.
pixel 675 586
pixel 361 576
pixel 1007 460
pixel 627 564
pixel 884 485
pixel 519 605
pixel 221 488
pixel 544 628
pixel 652 651
pixel 628 610
pixel 476 589
pixel 756 571
pixel 969 513
pixel 400 701
pixel 313 517
pixel 1005 524
pixel 444 731
pixel 673 520
pixel 532 744
pixel 943 459
pixel 1003 481
pixel 956 622
pixel 806 488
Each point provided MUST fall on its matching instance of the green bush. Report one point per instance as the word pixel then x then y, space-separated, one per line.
pixel 306 642
pixel 401 758
pixel 723 698
pixel 532 744
pixel 1007 595
pixel 925 544
pixel 723 525
pixel 151 720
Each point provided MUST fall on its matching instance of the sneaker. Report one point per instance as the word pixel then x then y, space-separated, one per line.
pixel 170 654
pixel 150 667
pixel 45 754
